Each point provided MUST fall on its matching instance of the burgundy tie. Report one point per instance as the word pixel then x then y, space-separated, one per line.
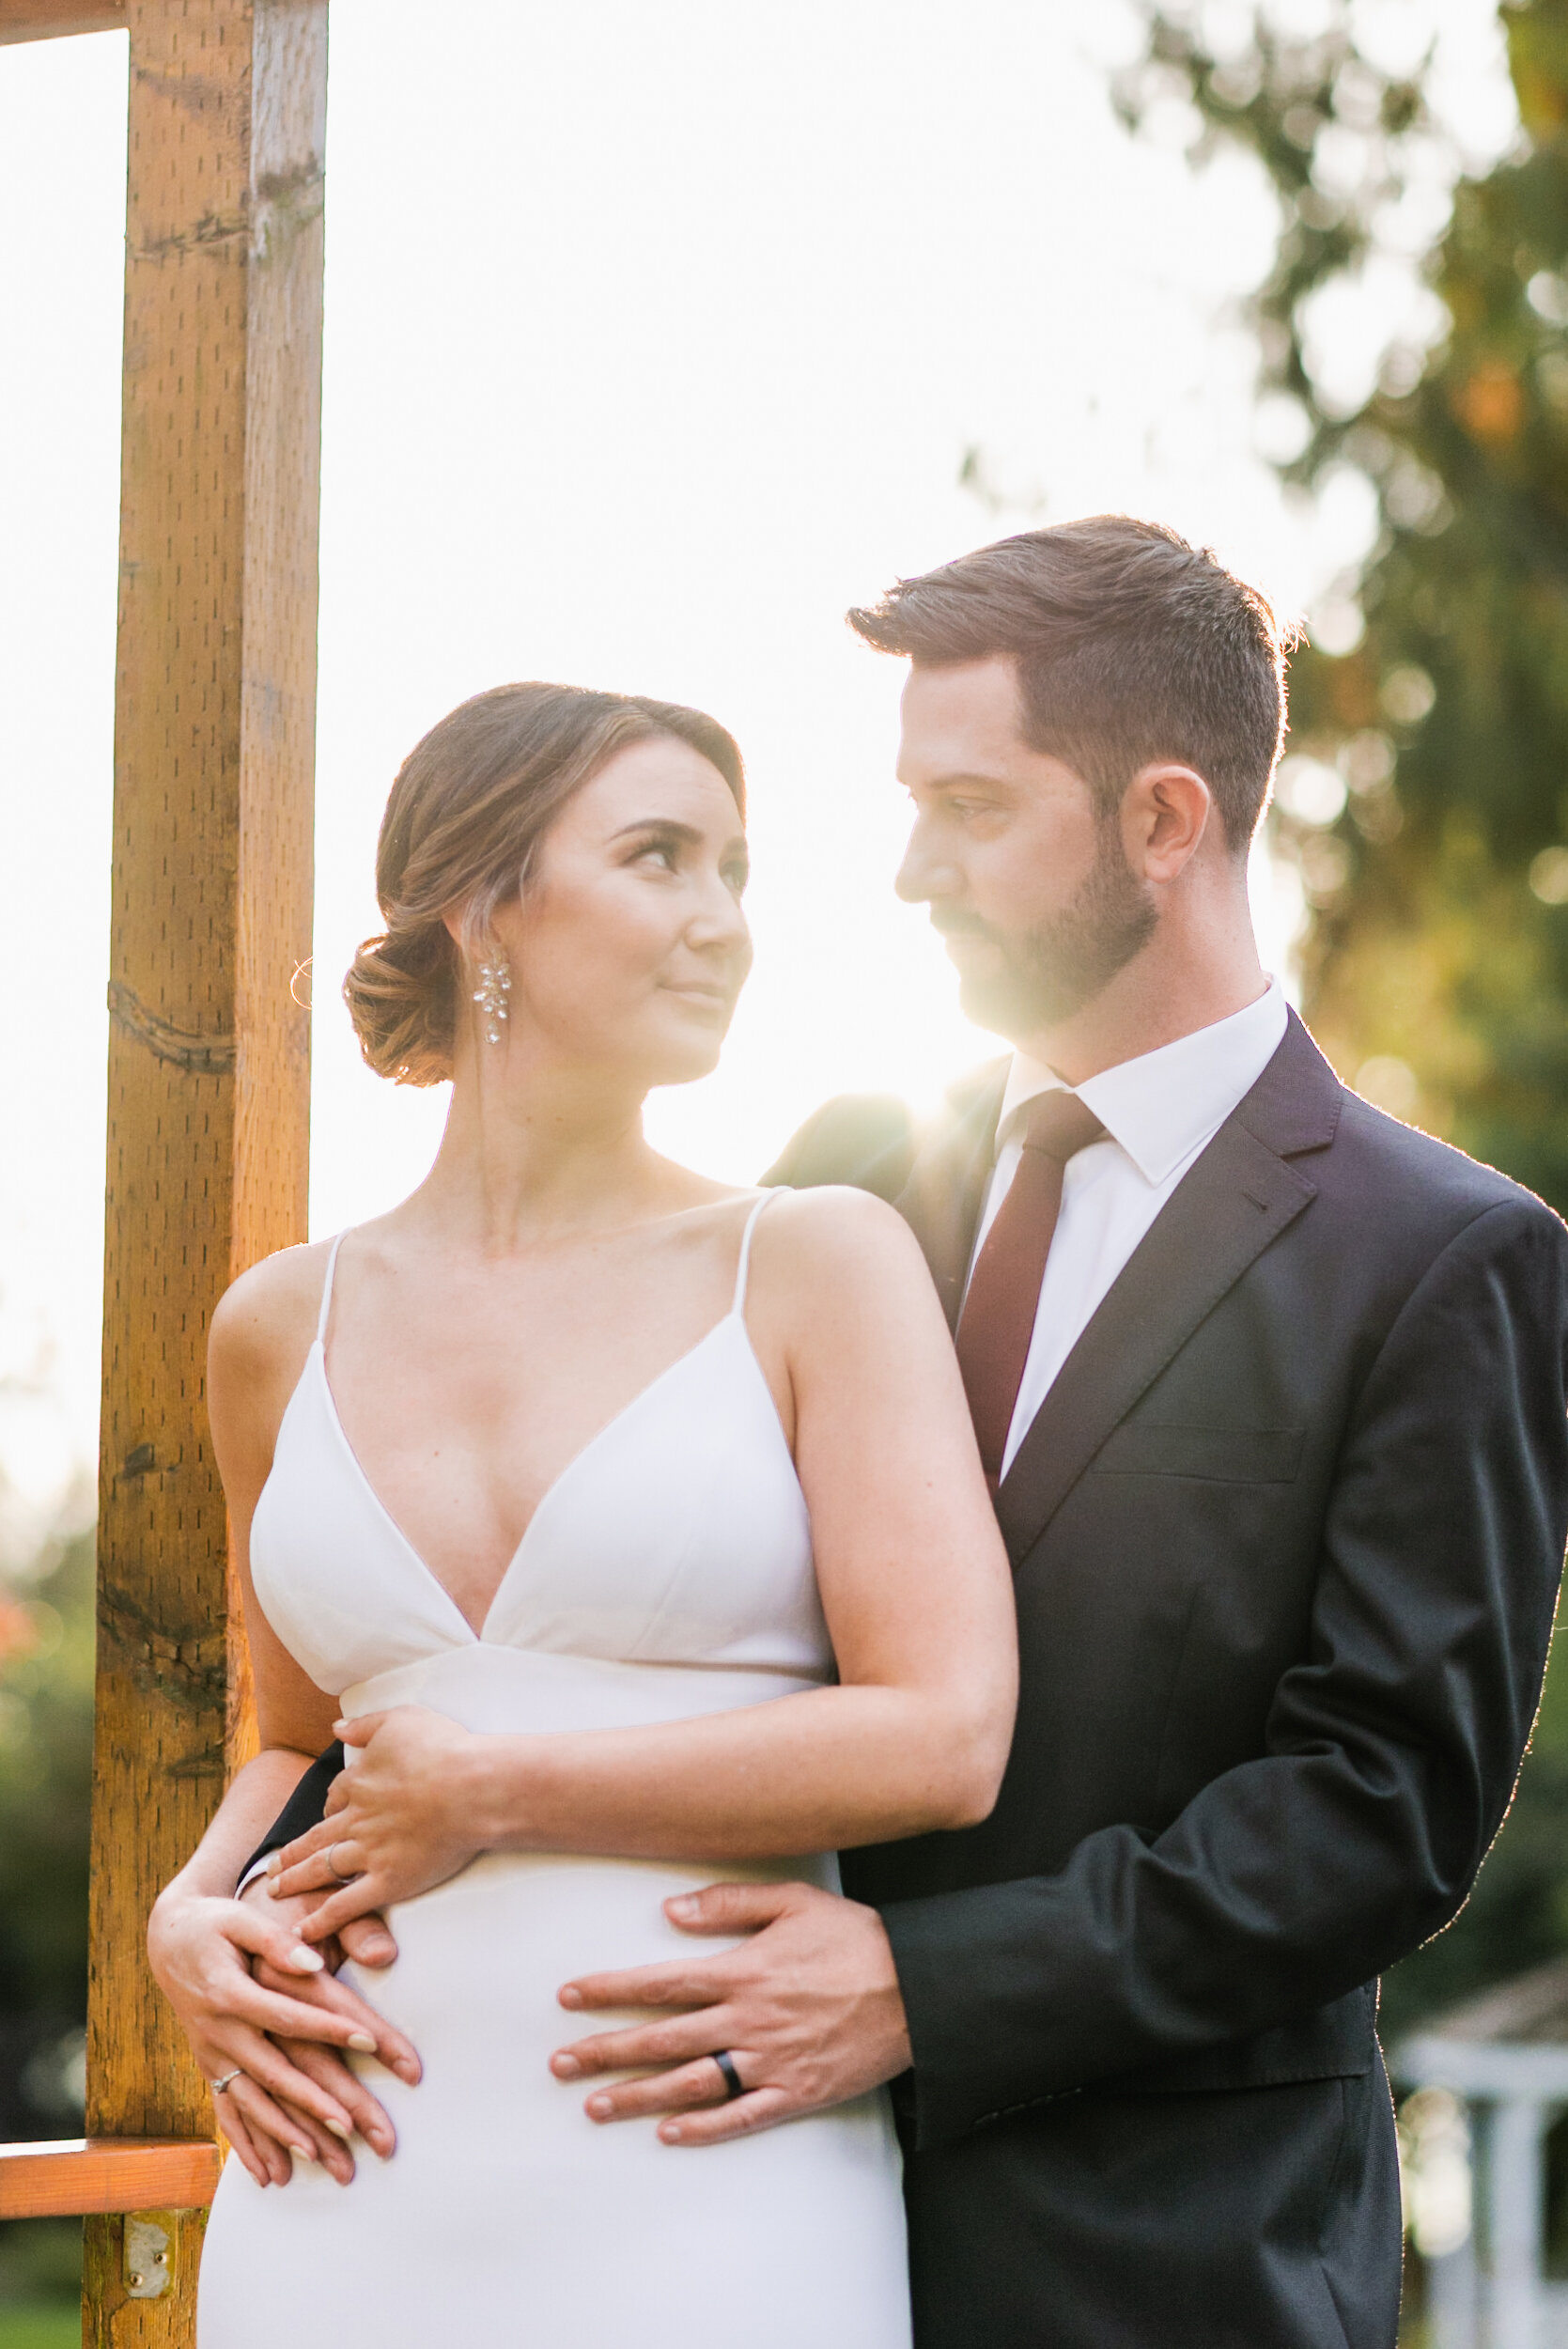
pixel 998 1320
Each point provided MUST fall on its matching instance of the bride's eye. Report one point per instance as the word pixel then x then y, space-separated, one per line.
pixel 664 852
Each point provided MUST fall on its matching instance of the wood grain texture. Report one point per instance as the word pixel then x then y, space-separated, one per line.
pixel 209 1053
pixel 71 2176
pixel 42 20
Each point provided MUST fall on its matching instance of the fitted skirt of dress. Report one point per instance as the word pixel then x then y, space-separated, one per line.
pixel 506 2217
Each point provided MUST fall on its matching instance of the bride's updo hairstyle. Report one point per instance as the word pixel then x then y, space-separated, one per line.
pixel 469 809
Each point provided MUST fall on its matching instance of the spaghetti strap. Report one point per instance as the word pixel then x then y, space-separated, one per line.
pixel 741 1269
pixel 327 1291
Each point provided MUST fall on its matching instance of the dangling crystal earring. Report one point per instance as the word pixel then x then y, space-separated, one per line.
pixel 495 985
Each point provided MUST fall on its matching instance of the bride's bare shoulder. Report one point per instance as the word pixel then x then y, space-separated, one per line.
pixel 266 1319
pixel 835 1234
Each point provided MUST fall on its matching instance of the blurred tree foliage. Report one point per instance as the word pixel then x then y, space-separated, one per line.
pixel 46 1691
pixel 1426 796
pixel 46 1695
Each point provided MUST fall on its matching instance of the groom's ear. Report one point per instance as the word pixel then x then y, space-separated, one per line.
pixel 1166 814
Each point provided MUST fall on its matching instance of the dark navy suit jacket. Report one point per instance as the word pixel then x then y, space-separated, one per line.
pixel 1287 1533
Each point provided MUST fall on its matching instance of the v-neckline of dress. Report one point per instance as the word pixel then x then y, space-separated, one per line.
pixel 318 1355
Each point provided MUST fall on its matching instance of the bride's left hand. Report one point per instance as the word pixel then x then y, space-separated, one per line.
pixel 400 1820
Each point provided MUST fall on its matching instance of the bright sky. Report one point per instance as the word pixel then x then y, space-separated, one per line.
pixel 655 338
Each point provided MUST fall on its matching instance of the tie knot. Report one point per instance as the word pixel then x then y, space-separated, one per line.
pixel 1060 1124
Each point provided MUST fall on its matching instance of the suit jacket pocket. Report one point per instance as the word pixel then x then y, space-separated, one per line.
pixel 1237 1455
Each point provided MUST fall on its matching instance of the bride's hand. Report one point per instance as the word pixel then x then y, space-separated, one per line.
pixel 398 1822
pixel 244 1987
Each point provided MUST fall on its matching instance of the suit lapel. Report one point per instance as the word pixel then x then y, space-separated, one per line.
pixel 942 1199
pixel 1232 1205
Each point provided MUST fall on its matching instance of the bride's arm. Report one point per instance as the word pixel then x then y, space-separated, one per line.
pixel 234 1971
pixel 914 1585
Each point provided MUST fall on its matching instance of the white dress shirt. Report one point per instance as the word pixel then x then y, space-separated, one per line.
pixel 1157 1112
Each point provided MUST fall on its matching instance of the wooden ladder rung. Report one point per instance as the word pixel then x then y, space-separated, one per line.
pixel 67 2177
pixel 39 20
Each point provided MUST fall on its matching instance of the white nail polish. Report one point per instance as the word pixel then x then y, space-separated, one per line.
pixel 338 2130
pixel 304 1960
pixel 362 2043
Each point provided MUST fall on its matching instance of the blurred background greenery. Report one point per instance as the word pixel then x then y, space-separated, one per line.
pixel 46 1665
pixel 1426 794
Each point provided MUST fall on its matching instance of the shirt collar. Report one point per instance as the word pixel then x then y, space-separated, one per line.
pixel 1161 1106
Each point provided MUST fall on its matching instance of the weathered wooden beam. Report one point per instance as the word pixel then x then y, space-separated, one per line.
pixel 71 2176
pixel 42 20
pixel 208 1063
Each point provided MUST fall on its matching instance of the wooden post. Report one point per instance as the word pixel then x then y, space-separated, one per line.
pixel 208 1059
pixel 208 1065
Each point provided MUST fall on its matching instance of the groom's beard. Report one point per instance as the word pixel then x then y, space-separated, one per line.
pixel 1049 972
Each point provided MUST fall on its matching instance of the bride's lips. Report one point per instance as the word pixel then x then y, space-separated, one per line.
pixel 701 998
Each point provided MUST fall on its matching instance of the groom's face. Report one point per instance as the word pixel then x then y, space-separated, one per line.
pixel 1026 876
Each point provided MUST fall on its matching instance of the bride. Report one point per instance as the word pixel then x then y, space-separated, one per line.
pixel 629 1529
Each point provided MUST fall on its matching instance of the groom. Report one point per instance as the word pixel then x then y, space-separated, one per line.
pixel 1272 1392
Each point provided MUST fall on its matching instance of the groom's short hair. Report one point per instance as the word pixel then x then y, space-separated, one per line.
pixel 1131 646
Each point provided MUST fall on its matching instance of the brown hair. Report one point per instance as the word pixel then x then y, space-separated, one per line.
pixel 1131 644
pixel 467 814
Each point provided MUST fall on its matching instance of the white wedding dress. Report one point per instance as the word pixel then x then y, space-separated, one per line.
pixel 666 1573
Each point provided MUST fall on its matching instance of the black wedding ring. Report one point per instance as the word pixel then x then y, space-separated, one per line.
pixel 734 2085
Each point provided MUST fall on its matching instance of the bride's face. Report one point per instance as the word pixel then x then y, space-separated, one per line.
pixel 628 946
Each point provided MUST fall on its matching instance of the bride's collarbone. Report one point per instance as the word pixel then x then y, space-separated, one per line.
pixel 581 1325
pixel 465 1415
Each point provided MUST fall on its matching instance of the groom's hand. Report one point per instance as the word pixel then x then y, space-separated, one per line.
pixel 808 2010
